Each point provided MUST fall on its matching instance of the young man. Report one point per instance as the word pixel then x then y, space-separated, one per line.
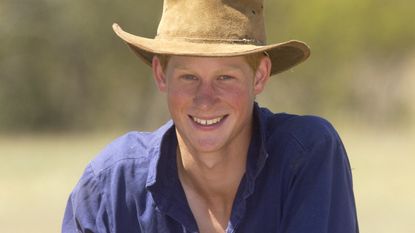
pixel 223 164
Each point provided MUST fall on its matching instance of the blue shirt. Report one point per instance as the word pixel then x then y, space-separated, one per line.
pixel 297 180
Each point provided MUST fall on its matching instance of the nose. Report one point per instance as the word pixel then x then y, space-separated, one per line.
pixel 206 95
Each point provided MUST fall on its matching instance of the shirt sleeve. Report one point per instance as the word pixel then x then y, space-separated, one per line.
pixel 85 211
pixel 320 197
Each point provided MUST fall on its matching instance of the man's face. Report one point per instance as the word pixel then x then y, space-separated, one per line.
pixel 211 99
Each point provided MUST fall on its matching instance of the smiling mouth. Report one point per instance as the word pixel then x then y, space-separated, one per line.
pixel 207 122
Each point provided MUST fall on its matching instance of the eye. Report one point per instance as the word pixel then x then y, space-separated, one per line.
pixel 189 77
pixel 225 77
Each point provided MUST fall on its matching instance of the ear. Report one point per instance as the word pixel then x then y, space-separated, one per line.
pixel 159 75
pixel 262 75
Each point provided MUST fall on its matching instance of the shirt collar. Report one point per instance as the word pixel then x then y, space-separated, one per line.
pixel 163 181
pixel 154 152
pixel 257 154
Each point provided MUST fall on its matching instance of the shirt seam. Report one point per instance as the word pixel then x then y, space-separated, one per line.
pixel 98 180
pixel 99 172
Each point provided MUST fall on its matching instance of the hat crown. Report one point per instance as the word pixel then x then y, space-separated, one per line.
pixel 223 21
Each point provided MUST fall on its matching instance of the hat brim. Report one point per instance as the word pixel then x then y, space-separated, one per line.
pixel 283 55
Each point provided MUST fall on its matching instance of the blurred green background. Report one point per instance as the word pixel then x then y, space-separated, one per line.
pixel 68 86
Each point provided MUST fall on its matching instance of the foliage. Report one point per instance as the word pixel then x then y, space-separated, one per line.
pixel 61 66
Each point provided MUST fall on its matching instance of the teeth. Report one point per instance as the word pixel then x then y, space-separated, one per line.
pixel 207 122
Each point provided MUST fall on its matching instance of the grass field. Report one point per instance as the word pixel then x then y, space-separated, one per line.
pixel 38 172
pixel 383 164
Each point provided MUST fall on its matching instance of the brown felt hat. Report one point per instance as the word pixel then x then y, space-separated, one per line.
pixel 215 28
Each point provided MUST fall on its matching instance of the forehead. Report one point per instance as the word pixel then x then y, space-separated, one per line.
pixel 187 62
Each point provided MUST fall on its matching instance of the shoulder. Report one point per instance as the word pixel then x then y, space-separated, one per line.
pixel 131 147
pixel 303 143
pixel 305 130
pixel 125 160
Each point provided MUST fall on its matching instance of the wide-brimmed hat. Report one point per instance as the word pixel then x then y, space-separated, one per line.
pixel 214 28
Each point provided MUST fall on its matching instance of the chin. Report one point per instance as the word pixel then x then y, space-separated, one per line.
pixel 206 146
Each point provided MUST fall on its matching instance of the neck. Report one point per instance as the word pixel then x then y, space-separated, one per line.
pixel 214 176
pixel 211 180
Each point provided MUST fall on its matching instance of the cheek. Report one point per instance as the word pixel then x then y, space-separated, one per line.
pixel 179 93
pixel 177 90
pixel 240 93
pixel 177 99
pixel 240 101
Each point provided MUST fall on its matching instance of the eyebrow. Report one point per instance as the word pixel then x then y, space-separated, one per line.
pixel 227 68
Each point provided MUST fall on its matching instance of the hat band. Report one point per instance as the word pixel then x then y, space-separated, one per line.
pixel 246 41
